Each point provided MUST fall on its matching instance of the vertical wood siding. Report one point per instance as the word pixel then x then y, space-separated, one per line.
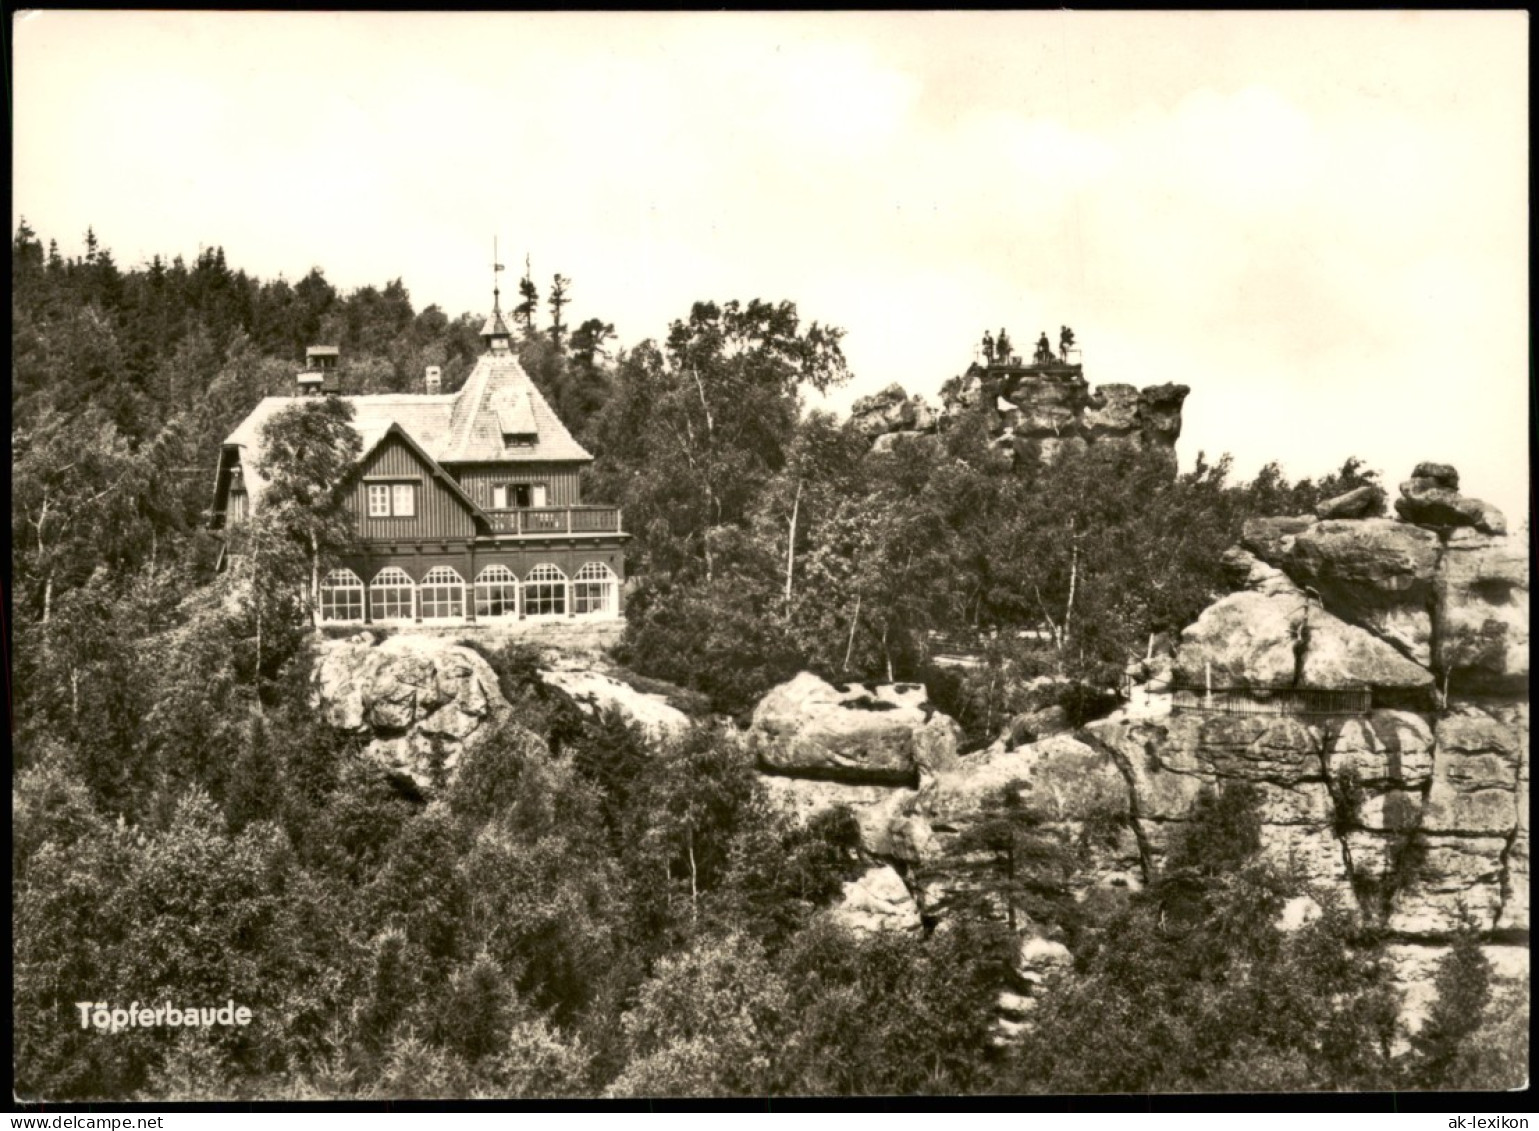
pixel 562 486
pixel 439 513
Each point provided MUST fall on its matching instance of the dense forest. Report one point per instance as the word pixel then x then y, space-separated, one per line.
pixel 583 911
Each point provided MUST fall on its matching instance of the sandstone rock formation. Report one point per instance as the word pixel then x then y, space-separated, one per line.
pixel 884 734
pixel 1032 412
pixel 1409 808
pixel 877 901
pixel 420 700
pixel 891 411
pixel 1481 612
pixel 1360 502
pixel 1373 572
pixel 594 692
pixel 874 807
pixel 1037 962
pixel 1282 639
pixel 1432 496
pixel 1451 598
pixel 1414 966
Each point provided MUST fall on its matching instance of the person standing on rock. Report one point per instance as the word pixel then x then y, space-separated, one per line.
pixel 1044 350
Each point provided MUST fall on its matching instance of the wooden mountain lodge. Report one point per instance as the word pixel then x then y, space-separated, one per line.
pixel 467 504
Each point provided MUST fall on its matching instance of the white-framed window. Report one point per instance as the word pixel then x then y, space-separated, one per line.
pixel 506 496
pixel 496 593
pixel 403 499
pixel 443 594
pixel 593 590
pixel 390 595
pixel 341 596
pixel 392 500
pixel 545 592
pixel 379 500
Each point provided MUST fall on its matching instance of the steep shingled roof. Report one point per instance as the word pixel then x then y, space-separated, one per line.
pixel 498 384
pixel 424 418
pixel 450 428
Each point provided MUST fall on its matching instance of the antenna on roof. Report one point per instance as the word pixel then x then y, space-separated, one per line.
pixel 496 267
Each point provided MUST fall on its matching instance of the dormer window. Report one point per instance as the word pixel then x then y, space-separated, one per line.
pixel 516 423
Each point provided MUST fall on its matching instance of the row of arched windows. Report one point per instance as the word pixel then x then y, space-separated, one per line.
pixel 497 593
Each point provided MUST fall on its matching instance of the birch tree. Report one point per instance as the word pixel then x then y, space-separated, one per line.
pixel 308 451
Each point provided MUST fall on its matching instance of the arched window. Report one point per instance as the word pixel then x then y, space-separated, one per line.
pixel 545 592
pixel 496 593
pixel 390 595
pixel 593 590
pixel 443 594
pixel 341 596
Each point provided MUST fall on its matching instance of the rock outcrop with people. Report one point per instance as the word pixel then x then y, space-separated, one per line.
pixel 1032 413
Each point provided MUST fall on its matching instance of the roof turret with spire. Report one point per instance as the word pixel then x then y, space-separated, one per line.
pixel 495 333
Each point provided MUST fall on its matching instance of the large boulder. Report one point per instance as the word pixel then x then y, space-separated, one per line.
pixel 1443 475
pixel 1341 656
pixel 886 734
pixel 1158 760
pixel 1159 413
pixel 1037 960
pixel 1482 612
pixel 1270 539
pixel 1112 411
pixel 892 411
pixel 1425 500
pixel 1263 640
pixel 420 700
pixel 887 411
pixel 1065 779
pixel 1244 570
pixel 877 902
pixel 1246 639
pixel 1375 573
pixel 1366 501
pixel 594 692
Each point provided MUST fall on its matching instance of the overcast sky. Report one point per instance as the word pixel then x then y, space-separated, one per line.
pixel 1317 221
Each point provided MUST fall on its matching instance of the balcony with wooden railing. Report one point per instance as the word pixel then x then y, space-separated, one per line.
pixel 541 522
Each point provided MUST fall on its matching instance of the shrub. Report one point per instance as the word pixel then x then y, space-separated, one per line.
pixel 1463 990
pixel 1224 830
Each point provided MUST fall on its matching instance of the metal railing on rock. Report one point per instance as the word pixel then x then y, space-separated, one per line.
pixel 1272 700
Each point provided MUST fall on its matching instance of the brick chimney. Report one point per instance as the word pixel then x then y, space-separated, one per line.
pixel 434 379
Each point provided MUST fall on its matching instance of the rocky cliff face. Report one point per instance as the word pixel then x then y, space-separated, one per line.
pixel 419 700
pixel 422 700
pixel 1412 810
pixel 1032 412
